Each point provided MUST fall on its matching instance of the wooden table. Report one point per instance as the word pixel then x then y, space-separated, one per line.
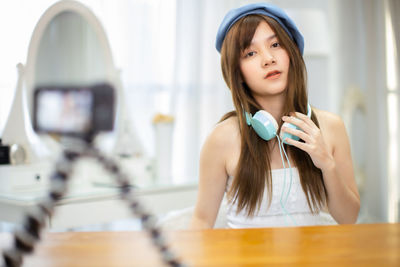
pixel 343 245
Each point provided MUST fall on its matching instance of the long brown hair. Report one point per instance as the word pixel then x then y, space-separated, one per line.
pixel 254 170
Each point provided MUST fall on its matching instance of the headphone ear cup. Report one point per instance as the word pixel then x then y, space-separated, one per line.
pixel 264 124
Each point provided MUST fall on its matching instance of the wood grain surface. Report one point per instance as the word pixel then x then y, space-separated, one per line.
pixel 341 245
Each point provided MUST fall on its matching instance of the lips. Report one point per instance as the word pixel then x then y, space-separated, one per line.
pixel 273 74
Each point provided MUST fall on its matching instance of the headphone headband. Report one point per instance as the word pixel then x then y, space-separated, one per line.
pixel 308 110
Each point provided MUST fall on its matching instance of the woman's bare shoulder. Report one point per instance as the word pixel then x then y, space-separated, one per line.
pixel 220 148
pixel 328 120
pixel 332 127
pixel 225 132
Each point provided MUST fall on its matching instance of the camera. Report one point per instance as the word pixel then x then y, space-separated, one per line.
pixel 77 111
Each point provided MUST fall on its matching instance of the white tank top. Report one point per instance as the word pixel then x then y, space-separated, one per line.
pixel 297 212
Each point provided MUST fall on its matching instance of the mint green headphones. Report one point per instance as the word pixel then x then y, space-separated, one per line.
pixel 265 125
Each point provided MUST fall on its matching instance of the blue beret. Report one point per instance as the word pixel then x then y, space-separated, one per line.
pixel 263 9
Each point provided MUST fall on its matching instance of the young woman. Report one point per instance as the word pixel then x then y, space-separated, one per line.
pixel 262 64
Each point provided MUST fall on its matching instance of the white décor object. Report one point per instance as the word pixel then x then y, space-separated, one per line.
pixel 163 130
pixel 18 128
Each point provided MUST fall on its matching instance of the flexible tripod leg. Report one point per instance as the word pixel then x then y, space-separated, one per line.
pixel 148 220
pixel 26 238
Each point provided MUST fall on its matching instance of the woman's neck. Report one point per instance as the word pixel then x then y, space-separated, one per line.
pixel 273 105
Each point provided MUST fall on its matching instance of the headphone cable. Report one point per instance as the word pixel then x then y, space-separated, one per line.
pixel 281 147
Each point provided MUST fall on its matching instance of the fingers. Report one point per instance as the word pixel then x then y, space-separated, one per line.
pixel 300 115
pixel 299 133
pixel 307 131
pixel 298 144
pixel 302 124
pixel 303 117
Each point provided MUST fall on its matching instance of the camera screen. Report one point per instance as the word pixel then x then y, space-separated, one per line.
pixel 64 111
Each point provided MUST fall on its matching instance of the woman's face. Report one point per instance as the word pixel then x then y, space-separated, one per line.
pixel 265 64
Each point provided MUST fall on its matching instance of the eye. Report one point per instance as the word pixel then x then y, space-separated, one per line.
pixel 276 44
pixel 250 54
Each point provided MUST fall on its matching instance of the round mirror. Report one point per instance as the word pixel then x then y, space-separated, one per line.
pixel 69 47
pixel 69 53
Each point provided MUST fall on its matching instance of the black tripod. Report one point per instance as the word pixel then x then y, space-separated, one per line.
pixel 26 238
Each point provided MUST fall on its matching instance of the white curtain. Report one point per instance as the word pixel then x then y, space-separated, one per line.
pixel 170 66
pixel 394 9
pixel 363 61
pixel 165 49
pixel 199 96
pixel 393 84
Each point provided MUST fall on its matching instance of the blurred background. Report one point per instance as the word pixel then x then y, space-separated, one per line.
pixel 169 70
